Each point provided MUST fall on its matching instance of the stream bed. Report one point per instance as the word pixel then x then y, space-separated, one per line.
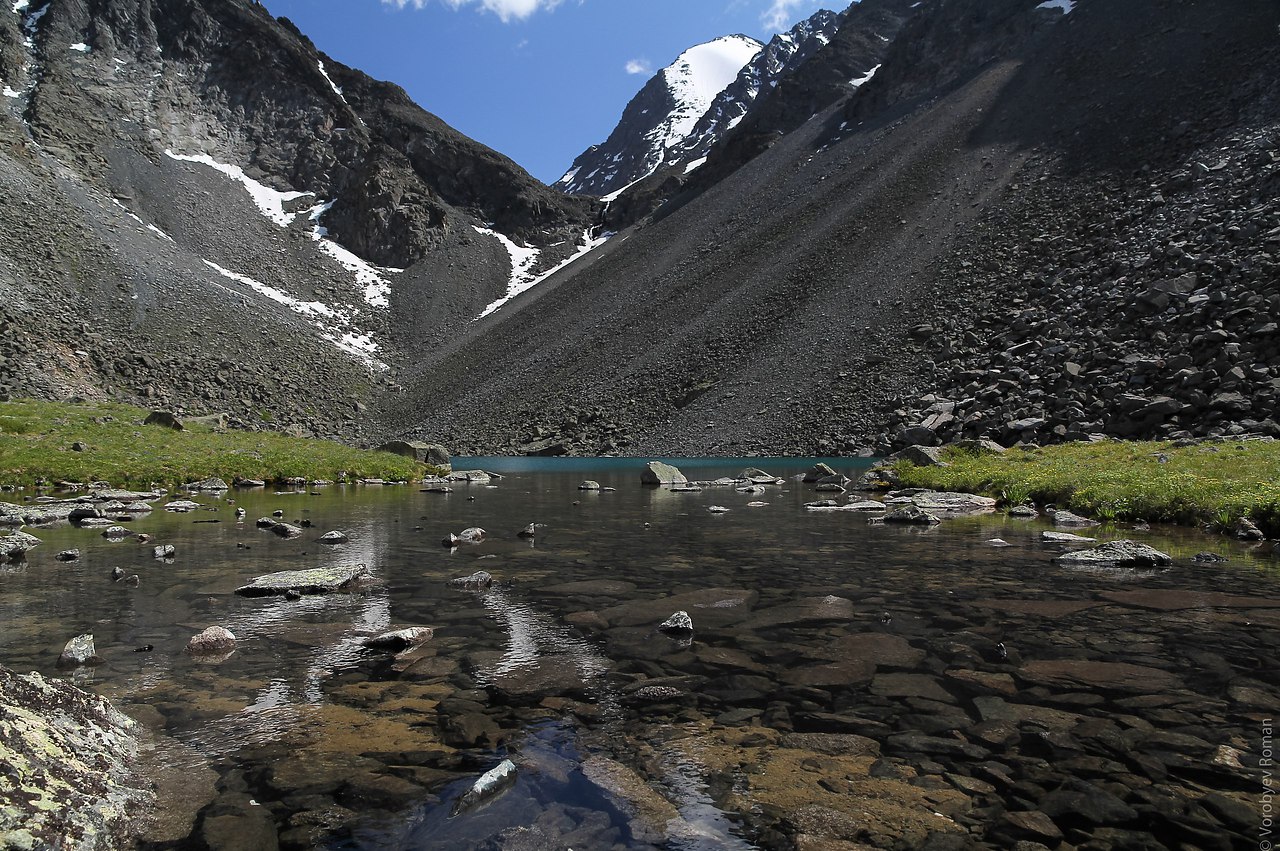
pixel 847 683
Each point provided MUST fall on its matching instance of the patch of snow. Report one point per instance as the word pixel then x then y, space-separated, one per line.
pixel 10 93
pixel 159 232
pixel 80 46
pixel 858 82
pixel 32 22
pixel 696 164
pixel 1063 6
pixel 520 283
pixel 306 308
pixel 697 76
pixel 20 6
pixel 613 196
pixel 569 175
pixel 337 91
pixel 377 291
pixel 269 201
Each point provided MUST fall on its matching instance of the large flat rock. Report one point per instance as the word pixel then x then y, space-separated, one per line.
pixel 319 580
pixel 1118 676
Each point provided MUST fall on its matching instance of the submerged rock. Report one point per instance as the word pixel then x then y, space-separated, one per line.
pixel 1123 553
pixel 70 768
pixel 1066 538
pixel 658 473
pixel 68 555
pixel 319 580
pixel 490 785
pixel 213 640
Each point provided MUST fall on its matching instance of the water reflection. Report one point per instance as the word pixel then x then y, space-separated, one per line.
pixel 797 707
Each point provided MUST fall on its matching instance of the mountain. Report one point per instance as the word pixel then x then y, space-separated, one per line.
pixel 661 115
pixel 783 54
pixel 1034 222
pixel 202 211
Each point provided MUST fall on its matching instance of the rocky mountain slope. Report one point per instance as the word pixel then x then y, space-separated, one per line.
pixel 202 211
pixel 662 115
pixel 1027 224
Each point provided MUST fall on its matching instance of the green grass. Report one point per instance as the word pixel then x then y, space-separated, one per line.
pixel 1213 483
pixel 36 439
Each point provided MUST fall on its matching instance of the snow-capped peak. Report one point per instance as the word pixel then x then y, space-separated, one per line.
pixel 701 73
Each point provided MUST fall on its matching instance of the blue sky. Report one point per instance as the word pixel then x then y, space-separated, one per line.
pixel 538 80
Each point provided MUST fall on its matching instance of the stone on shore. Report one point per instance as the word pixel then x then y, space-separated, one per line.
pixel 1123 553
pixel 70 761
pixel 952 503
pixel 1062 517
pixel 319 580
pixel 210 484
pixel 424 453
pixel 213 640
pixel 658 473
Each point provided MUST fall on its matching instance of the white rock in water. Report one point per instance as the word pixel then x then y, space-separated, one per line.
pixel 490 785
pixel 334 537
pixel 79 651
pixel 680 622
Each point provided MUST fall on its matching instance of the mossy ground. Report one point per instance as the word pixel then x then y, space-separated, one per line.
pixel 1213 483
pixel 36 440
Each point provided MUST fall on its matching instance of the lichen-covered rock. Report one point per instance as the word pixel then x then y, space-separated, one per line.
pixel 678 624
pixel 912 515
pixel 318 580
pixel 69 779
pixel 477 581
pixel 79 651
pixel 15 545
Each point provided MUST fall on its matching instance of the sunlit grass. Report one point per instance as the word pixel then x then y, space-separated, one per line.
pixel 1213 483
pixel 36 440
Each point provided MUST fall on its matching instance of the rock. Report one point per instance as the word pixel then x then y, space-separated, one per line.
pixel 530 531
pixel 438 489
pixel 477 581
pixel 658 473
pixel 1065 538
pixel 1247 531
pixel 718 509
pixel 210 484
pixel 15 545
pixel 79 651
pixel 490 785
pixel 213 640
pixel 911 514
pixel 818 472
pixel 921 456
pixel 1118 676
pixel 1023 511
pixel 286 530
pixel 318 580
pixel 116 533
pixel 1062 517
pixel 165 551
pixel 400 639
pixel 68 555
pixel 213 422
pixel 955 503
pixel 71 768
pixel 1123 553
pixel 424 453
pixel 829 487
pixel 181 506
pixel 334 537
pixel 678 624
pixel 647 812
pixel 164 419
pixel 265 522
pixel 589 485
pixel 474 477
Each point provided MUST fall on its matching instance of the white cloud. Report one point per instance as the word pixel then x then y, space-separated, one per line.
pixel 639 66
pixel 506 10
pixel 782 13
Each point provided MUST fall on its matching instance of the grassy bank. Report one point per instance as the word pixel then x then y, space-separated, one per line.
pixel 1213 483
pixel 36 440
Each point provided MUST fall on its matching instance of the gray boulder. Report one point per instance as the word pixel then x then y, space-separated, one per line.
pixel 818 472
pixel 477 581
pixel 16 544
pixel 400 639
pixel 678 624
pixel 1062 517
pixel 334 537
pixel 1122 553
pixel 921 456
pixel 911 515
pixel 953 503
pixel 164 419
pixel 210 484
pixel 589 485
pixel 424 453
pixel 658 473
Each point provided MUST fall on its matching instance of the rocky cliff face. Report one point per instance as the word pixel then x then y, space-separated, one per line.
pixel 165 156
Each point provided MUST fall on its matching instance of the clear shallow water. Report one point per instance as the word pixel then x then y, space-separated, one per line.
pixel 807 624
